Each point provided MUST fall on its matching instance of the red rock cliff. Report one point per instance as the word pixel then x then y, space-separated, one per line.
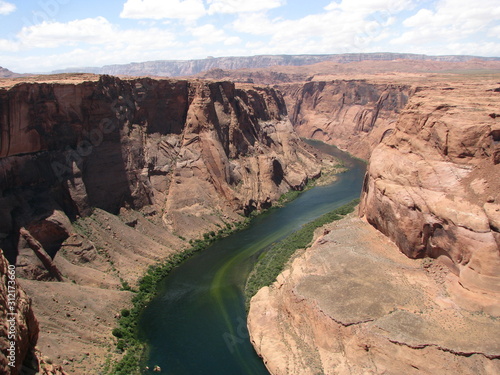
pixel 18 326
pixel 433 184
pixel 174 158
pixel 198 152
pixel 351 114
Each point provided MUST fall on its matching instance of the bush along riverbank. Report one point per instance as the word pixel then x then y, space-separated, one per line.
pixel 134 350
pixel 126 331
pixel 272 262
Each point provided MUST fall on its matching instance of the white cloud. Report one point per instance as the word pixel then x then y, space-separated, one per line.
pixel 232 41
pixel 8 45
pixel 494 32
pixel 477 49
pixel 246 24
pixel 92 31
pixel 208 34
pixel 451 20
pixel 371 6
pixel 161 9
pixel 337 30
pixel 55 34
pixel 242 6
pixel 6 8
pixel 87 42
pixel 96 55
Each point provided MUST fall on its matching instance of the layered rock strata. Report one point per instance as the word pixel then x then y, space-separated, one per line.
pixel 174 68
pixel 18 326
pixel 353 304
pixel 353 115
pixel 102 177
pixel 421 294
pixel 433 185
pixel 113 143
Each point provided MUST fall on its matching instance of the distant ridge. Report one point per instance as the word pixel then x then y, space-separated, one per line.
pixel 6 73
pixel 176 68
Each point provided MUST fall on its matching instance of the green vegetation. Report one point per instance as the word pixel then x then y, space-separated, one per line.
pixel 326 177
pixel 125 285
pixel 126 332
pixel 267 268
pixel 272 262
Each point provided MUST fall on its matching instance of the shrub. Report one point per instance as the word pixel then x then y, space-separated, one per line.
pixel 148 284
pixel 270 263
pixel 125 285
pixel 117 332
pixel 121 345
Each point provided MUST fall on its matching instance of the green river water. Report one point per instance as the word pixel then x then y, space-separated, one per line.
pixel 197 323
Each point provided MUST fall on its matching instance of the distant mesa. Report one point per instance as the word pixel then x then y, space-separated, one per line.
pixel 176 68
pixel 6 73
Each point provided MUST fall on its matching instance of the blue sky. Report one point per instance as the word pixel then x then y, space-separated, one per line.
pixel 44 35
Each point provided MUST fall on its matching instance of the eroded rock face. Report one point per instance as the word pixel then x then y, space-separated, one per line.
pixel 354 115
pixel 353 304
pixel 198 152
pixel 102 177
pixel 433 185
pixel 18 325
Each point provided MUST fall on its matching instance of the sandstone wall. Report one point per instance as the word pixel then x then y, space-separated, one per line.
pixel 353 115
pixel 352 304
pixel 18 324
pixel 101 178
pixel 198 152
pixel 433 185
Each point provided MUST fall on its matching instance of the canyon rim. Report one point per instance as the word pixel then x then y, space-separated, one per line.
pixel 95 174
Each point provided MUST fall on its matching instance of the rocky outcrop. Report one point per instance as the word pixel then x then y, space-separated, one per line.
pixel 424 298
pixel 354 115
pixel 18 326
pixel 175 68
pixel 433 187
pixel 353 304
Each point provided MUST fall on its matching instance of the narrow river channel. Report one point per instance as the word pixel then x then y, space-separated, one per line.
pixel 197 323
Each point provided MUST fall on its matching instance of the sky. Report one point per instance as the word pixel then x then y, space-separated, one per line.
pixel 43 35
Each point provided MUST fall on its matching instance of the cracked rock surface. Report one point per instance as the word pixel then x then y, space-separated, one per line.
pixel 353 304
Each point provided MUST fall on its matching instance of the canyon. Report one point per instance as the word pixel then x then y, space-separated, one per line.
pixel 105 176
pixel 356 299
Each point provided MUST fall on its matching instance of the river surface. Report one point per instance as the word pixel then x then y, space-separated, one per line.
pixel 197 323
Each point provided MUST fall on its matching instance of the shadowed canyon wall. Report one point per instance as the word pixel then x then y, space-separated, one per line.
pixel 353 115
pixel 113 143
pixel 18 325
pixel 101 178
